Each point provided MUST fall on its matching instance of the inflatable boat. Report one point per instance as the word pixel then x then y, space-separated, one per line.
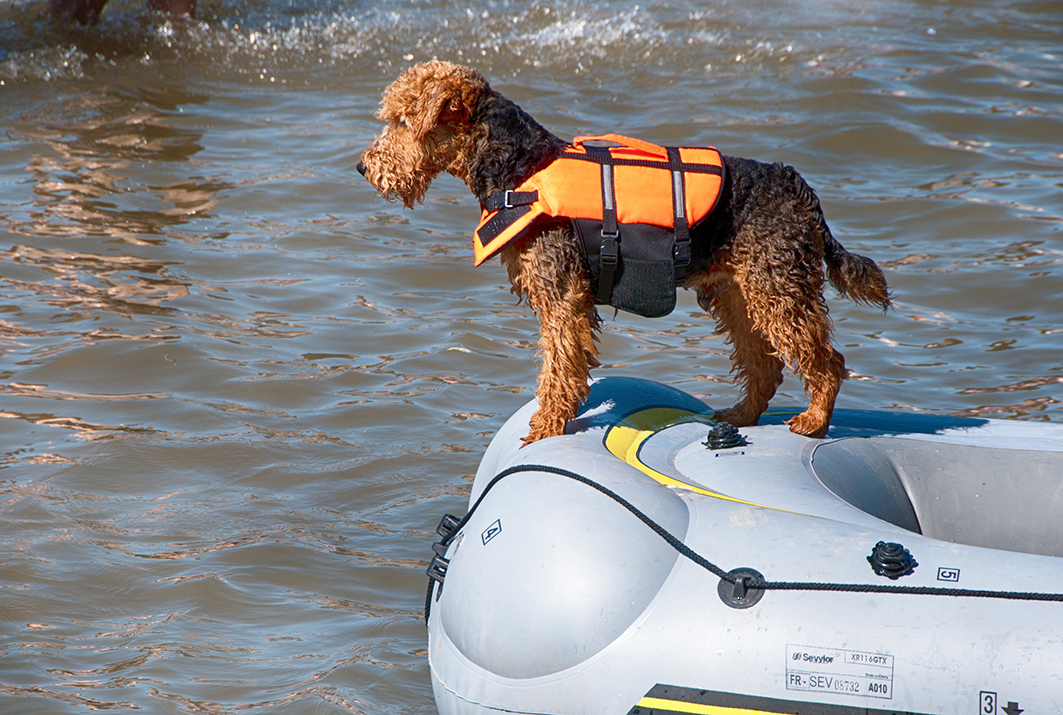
pixel 651 561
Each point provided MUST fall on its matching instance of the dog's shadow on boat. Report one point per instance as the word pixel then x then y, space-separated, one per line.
pixel 614 397
pixel 878 423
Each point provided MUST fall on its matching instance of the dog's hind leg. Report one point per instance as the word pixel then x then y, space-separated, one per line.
pixel 548 273
pixel 823 379
pixel 785 305
pixel 756 369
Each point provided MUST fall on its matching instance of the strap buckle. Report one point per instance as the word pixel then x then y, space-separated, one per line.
pixel 510 199
pixel 609 253
pixel 681 251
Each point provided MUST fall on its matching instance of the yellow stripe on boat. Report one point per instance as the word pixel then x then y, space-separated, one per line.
pixel 625 439
pixel 677 706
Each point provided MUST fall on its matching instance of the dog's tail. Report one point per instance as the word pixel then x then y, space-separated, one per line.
pixel 856 277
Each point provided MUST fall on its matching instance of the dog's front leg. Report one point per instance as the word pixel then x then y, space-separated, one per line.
pixel 548 272
pixel 566 348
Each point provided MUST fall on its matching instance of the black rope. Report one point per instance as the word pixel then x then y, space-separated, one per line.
pixel 750 582
pixel 428 601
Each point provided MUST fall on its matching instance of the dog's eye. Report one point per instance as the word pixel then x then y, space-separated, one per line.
pixel 403 123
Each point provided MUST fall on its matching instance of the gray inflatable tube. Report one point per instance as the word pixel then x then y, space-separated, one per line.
pixel 650 561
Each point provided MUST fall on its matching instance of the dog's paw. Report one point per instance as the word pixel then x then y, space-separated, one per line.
pixel 736 416
pixel 541 429
pixel 525 441
pixel 809 424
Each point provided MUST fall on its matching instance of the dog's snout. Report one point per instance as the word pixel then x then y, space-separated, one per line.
pixel 362 168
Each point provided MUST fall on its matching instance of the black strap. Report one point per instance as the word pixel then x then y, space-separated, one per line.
pixel 499 222
pixel 508 199
pixel 680 224
pixel 610 250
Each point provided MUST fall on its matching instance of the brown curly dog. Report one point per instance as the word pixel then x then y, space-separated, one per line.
pixel 756 263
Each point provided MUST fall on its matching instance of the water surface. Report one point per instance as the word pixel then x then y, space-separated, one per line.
pixel 239 389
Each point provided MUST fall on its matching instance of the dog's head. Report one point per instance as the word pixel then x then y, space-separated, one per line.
pixel 429 111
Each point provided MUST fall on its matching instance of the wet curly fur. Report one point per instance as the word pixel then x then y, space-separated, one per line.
pixel 757 263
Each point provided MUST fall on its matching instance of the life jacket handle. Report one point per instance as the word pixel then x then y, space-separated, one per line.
pixel 645 146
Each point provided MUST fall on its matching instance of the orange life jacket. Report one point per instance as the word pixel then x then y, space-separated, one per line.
pixel 634 183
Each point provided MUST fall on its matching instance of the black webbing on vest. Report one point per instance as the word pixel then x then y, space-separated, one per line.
pixel 610 250
pixel 499 222
pixel 510 199
pixel 680 226
pixel 508 207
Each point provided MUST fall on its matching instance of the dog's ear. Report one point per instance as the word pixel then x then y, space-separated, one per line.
pixel 450 94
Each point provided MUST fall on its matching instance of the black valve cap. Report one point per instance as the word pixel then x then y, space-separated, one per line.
pixel 891 560
pixel 724 436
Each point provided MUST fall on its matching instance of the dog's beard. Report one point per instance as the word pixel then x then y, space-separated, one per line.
pixel 403 171
pixel 395 181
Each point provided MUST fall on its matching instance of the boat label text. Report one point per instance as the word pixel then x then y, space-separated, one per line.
pixel 492 531
pixel 839 671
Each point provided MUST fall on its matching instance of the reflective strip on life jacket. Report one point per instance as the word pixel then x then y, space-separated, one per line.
pixel 645 178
